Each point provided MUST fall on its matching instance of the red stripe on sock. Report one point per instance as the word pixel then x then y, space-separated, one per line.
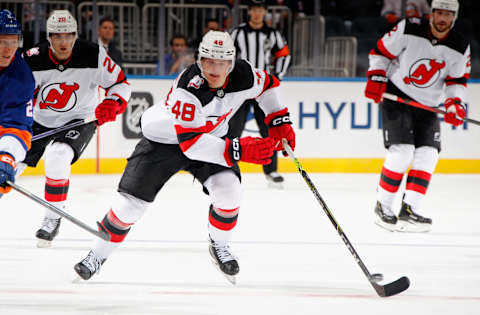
pixel 116 221
pixel 59 186
pixel 417 188
pixel 392 174
pixel 420 174
pixel 228 213
pixel 220 225
pixel 388 187
pixel 55 197
pixel 57 182
pixel 114 238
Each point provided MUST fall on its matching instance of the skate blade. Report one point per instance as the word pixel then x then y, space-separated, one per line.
pixel 229 278
pixel 411 227
pixel 44 243
pixel 387 226
pixel 274 185
pixel 77 280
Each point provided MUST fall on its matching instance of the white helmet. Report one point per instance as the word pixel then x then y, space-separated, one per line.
pixel 449 5
pixel 61 21
pixel 217 45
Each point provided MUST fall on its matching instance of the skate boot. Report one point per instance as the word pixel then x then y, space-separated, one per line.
pixel 385 218
pixel 224 260
pixel 47 232
pixel 409 221
pixel 89 266
pixel 274 180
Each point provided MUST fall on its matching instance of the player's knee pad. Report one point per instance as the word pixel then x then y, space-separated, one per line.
pixel 58 157
pixel 225 190
pixel 399 157
pixel 128 208
pixel 425 159
pixel 123 214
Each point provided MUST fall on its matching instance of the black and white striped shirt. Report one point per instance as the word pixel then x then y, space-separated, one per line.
pixel 264 48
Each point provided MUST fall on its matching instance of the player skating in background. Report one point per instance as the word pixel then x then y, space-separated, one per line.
pixel 420 60
pixel 68 72
pixel 16 107
pixel 266 49
pixel 187 131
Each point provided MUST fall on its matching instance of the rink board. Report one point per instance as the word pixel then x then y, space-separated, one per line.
pixel 338 129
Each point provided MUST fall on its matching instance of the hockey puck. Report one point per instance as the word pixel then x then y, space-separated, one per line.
pixel 377 277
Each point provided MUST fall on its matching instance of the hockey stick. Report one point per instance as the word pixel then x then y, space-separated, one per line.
pixel 416 104
pixel 63 128
pixel 102 234
pixel 389 289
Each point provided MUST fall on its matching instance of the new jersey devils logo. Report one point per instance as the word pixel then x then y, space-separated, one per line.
pixel 196 82
pixel 60 97
pixel 424 73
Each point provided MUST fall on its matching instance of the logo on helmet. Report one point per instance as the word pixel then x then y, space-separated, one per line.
pixel 9 24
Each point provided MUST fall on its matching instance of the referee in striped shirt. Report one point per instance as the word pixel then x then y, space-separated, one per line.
pixel 266 49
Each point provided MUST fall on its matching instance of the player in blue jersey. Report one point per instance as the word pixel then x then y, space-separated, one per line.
pixel 16 107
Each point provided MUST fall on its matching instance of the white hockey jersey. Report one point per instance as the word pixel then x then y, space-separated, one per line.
pixel 68 90
pixel 196 116
pixel 420 65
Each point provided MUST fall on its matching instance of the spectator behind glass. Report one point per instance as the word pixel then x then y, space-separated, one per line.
pixel 392 10
pixel 106 32
pixel 281 17
pixel 211 25
pixel 179 58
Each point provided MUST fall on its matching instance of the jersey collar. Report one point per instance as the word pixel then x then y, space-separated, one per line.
pixel 220 92
pixel 433 39
pixel 60 64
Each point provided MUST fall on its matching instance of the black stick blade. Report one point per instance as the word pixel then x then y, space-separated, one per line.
pixel 392 288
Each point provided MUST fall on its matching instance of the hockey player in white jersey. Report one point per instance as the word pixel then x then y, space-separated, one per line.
pixel 419 60
pixel 187 131
pixel 68 72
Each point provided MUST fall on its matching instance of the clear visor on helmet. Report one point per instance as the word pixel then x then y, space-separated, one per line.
pixel 9 43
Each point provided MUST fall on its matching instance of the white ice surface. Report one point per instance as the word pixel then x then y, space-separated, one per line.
pixel 292 261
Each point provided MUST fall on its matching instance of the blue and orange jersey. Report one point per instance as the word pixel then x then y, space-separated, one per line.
pixel 17 86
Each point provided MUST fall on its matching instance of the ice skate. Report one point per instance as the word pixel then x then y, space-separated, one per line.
pixel 47 232
pixel 224 260
pixel 274 180
pixel 385 218
pixel 89 266
pixel 409 221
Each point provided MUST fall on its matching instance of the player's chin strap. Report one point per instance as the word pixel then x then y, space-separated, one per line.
pixel 425 107
pixel 388 289
pixel 101 234
pixel 63 128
